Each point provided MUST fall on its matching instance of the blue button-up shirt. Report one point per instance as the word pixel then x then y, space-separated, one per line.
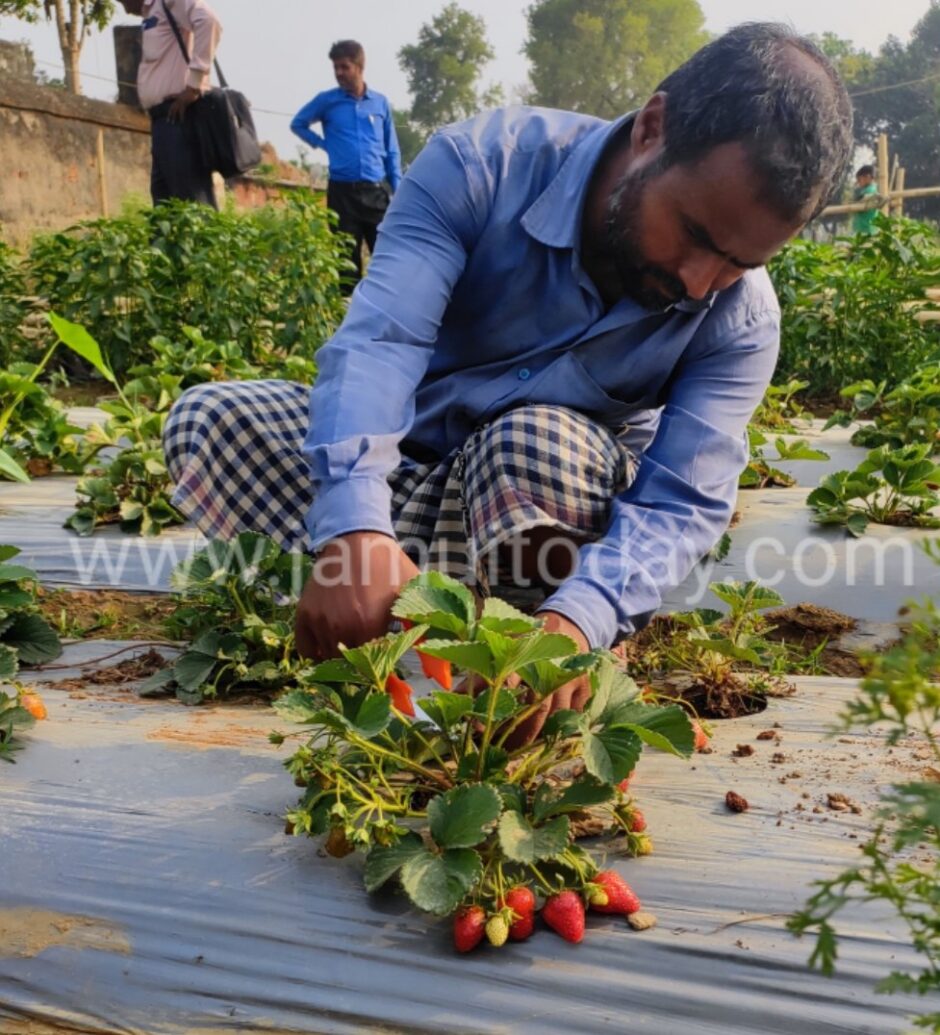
pixel 476 302
pixel 358 135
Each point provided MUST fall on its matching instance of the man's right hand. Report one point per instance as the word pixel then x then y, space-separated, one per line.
pixel 349 596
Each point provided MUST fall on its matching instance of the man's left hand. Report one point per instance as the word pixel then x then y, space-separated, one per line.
pixel 572 695
pixel 181 102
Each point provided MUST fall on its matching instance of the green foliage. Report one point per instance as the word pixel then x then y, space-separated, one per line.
pixel 25 636
pixel 780 407
pixel 889 487
pixel 895 91
pixel 456 809
pixel 900 865
pixel 237 600
pixel 604 57
pixel 761 474
pixel 268 278
pixel 906 415
pixel 850 313
pixel 12 305
pixel 411 138
pixel 443 69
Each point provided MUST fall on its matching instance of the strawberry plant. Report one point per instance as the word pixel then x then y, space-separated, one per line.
pixel 446 802
pixel 900 864
pixel 17 713
pixel 195 360
pixel 237 600
pixel 779 408
pixel 760 474
pixel 25 636
pixel 906 415
pixel 38 435
pixel 720 664
pixel 132 488
pixel 889 487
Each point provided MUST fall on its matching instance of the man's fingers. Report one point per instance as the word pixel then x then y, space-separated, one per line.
pixel 530 729
pixel 581 695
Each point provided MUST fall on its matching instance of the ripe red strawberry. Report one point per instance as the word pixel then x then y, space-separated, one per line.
pixel 701 737
pixel 521 901
pixel 624 785
pixel 469 927
pixel 400 693
pixel 621 898
pixel 564 914
pixel 637 822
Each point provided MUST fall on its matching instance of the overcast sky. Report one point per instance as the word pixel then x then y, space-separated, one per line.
pixel 278 57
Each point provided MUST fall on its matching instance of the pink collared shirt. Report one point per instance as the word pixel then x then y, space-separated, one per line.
pixel 164 71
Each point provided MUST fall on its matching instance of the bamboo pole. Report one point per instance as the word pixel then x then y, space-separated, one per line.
pixel 884 183
pixel 102 179
pixel 893 197
pixel 899 193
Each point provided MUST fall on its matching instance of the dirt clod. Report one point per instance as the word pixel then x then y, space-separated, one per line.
pixel 743 751
pixel 735 802
pixel 768 735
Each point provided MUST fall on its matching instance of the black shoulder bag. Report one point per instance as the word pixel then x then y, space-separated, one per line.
pixel 221 121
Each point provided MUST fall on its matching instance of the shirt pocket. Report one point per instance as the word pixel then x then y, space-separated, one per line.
pixel 371 127
pixel 566 382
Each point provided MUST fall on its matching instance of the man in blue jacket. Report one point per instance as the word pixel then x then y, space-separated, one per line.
pixel 551 366
pixel 359 138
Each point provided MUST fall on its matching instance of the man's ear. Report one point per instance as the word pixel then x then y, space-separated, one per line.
pixel 649 127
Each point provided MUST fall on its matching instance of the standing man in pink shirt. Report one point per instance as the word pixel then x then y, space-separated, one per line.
pixel 168 84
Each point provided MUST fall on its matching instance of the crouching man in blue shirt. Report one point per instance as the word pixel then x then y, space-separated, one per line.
pixel 359 138
pixel 551 365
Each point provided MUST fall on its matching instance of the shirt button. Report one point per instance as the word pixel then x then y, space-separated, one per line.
pixel 525 374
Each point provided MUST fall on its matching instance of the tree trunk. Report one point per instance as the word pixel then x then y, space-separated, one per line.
pixel 71 58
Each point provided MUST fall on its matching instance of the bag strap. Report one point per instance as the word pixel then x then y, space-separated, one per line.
pixel 179 39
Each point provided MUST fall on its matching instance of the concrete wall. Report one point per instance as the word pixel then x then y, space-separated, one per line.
pixel 51 149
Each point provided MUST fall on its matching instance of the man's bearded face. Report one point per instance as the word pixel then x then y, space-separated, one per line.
pixel 646 283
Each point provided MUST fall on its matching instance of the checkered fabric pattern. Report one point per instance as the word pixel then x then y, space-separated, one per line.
pixel 233 450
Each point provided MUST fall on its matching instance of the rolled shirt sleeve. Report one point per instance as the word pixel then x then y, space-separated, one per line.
pixel 363 402
pixel 684 493
pixel 207 31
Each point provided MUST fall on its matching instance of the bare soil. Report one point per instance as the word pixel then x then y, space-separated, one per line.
pixel 804 627
pixel 106 613
pixel 109 677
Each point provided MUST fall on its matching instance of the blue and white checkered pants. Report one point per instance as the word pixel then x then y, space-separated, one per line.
pixel 233 450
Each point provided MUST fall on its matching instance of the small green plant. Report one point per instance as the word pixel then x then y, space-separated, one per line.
pixel 780 408
pixel 237 600
pixel 900 864
pixel 722 663
pixel 26 638
pixel 761 474
pixel 889 487
pixel 446 802
pixel 906 415
pixel 17 713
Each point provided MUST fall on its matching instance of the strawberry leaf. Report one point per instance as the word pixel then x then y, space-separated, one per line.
pixel 463 816
pixel 438 883
pixel 498 616
pixel 474 657
pixel 523 843
pixel 549 802
pixel 383 863
pixel 447 709
pixel 611 754
pixel 438 601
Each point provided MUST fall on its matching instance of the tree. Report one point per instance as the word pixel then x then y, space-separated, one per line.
pixel 604 57
pixel 411 138
pixel 897 92
pixel 444 67
pixel 73 19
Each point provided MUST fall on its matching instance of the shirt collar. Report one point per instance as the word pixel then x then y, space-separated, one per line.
pixel 554 218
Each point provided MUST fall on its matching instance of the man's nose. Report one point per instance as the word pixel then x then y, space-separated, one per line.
pixel 702 273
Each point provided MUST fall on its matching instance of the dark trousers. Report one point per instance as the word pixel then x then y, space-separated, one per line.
pixel 360 207
pixel 177 170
